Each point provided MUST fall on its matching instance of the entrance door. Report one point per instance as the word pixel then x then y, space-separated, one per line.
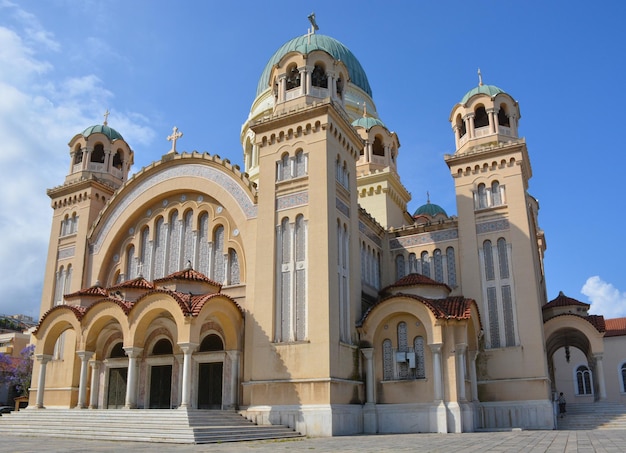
pixel 210 385
pixel 160 387
pixel 116 396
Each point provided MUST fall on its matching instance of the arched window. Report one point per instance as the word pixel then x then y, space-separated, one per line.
pixel 490 273
pixel 482 196
pixel 387 360
pixel 400 271
pixel 300 163
pixel 211 342
pixel 377 147
pixel 160 238
pixel 496 198
pixel 203 244
pixel 218 254
pixel 162 347
pixel 583 381
pixel 412 263
pixel 403 346
pixel 623 370
pixel 293 77
pixel 451 264
pixel 131 269
pixel 188 239
pixel 339 85
pixel 480 117
pixel 300 278
pixel 503 258
pixel 420 368
pixel 425 264
pixel 438 264
pixel 233 267
pixel 97 155
pixel 503 118
pixel 174 243
pixel 145 252
pixel 118 351
pixel 319 77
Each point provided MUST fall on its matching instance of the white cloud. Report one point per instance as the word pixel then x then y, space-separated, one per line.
pixel 39 114
pixel 605 299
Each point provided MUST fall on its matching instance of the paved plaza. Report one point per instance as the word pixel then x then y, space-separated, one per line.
pixel 513 441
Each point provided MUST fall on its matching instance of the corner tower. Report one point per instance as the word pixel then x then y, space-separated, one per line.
pixel 100 160
pixel 503 269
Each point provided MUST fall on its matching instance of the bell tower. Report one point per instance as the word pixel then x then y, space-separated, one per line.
pixel 100 160
pixel 503 269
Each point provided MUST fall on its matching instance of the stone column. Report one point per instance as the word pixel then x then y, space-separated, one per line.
pixel 370 418
pixel 368 353
pixel 95 381
pixel 460 367
pixel 493 121
pixel 234 379
pixel 282 89
pixel 187 349
pixel 473 375
pixel 437 374
pixel 131 385
pixel 470 125
pixel 43 360
pixel 84 372
pixel 600 375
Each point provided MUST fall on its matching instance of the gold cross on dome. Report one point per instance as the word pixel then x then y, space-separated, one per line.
pixel 176 134
pixel 106 117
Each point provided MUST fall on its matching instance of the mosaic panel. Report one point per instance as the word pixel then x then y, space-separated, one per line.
pixel 342 207
pixel 370 234
pixel 66 253
pixel 423 238
pixel 247 205
pixel 292 200
pixel 490 227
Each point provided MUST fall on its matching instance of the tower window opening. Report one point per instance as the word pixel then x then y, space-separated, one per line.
pixel 377 147
pixel 503 118
pixel 480 117
pixel 97 154
pixel 339 86
pixel 460 124
pixel 293 78
pixel 78 155
pixel 319 77
pixel 118 159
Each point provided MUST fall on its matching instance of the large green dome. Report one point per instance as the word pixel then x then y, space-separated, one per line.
pixel 102 129
pixel 430 209
pixel 490 90
pixel 330 45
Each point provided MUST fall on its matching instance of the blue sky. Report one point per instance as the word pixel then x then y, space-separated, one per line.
pixel 195 64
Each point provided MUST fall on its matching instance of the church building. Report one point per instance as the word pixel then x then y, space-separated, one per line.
pixel 297 289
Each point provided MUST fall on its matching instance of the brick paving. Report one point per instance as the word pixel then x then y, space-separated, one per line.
pixel 609 441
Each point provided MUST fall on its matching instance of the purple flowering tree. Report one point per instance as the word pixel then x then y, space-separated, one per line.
pixel 17 371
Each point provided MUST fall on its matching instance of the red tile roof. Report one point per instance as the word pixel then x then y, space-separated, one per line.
pixel 137 283
pixel 189 275
pixel 563 301
pixel 414 280
pixel 615 327
pixel 457 307
pixel 94 291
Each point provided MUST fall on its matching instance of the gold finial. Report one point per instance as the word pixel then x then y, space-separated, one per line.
pixel 364 109
pixel 427 197
pixel 480 78
pixel 106 117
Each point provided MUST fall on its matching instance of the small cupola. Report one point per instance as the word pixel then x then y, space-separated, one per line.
pixel 100 152
pixel 486 114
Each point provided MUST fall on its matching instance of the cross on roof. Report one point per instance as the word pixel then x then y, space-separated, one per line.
pixel 106 117
pixel 176 134
pixel 313 29
pixel 480 78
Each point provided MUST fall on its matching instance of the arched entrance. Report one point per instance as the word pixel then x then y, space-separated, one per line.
pixel 210 359
pixel 117 365
pixel 161 365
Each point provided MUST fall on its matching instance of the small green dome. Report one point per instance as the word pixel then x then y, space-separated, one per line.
pixel 103 129
pixel 430 209
pixel 367 122
pixel 490 90
pixel 330 45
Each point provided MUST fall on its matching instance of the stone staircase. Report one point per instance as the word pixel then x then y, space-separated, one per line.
pixel 154 425
pixel 598 415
